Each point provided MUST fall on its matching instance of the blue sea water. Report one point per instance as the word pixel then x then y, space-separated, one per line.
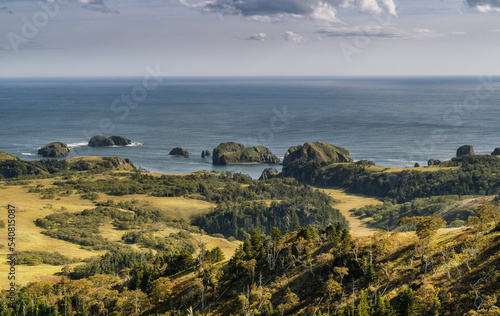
pixel 393 121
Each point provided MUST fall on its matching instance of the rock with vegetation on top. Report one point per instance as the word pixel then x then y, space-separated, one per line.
pixel 233 153
pixel 120 140
pixel 100 141
pixel 465 150
pixel 177 151
pixel 104 141
pixel 433 162
pixel 56 149
pixel 317 151
pixel 270 173
pixel 205 153
pixel 496 152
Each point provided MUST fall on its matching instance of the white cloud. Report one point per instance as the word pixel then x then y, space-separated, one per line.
pixel 325 13
pixel 293 37
pixel 259 37
pixel 485 6
pixel 320 10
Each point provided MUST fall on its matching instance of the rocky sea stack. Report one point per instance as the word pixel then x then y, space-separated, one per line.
pixel 496 152
pixel 56 149
pixel 234 153
pixel 104 141
pixel 177 151
pixel 120 140
pixel 317 151
pixel 205 153
pixel 465 150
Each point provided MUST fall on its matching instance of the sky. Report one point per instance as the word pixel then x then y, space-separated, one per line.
pixel 110 38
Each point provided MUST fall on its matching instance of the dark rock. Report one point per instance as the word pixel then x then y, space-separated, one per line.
pixel 433 162
pixel 177 151
pixel 120 140
pixel 317 151
pixel 233 153
pixel 56 149
pixel 270 173
pixel 496 152
pixel 205 153
pixel 465 150
pixel 416 165
pixel 100 141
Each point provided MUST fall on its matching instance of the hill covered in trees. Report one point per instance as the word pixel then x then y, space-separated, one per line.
pixel 466 175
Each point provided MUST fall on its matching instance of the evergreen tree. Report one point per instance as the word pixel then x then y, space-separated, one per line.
pixel 408 304
pixel 363 308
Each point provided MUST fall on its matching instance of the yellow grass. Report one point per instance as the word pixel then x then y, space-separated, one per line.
pixel 177 207
pixel 29 207
pixel 6 156
pixel 353 201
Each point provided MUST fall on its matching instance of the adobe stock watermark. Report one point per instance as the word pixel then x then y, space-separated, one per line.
pixel 31 26
pixel 374 28
pixel 455 117
pixel 122 106
pixel 278 123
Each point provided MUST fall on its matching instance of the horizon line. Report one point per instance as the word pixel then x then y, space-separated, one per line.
pixel 250 77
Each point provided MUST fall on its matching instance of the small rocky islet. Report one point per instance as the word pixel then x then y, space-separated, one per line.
pixel 104 141
pixel 54 150
pixel 233 153
pixel 178 151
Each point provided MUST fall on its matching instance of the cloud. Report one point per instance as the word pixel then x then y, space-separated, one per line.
pixel 293 37
pixel 6 10
pixel 321 10
pixel 383 32
pixel 484 6
pixel 259 37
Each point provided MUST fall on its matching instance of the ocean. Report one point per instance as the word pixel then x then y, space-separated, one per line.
pixel 392 121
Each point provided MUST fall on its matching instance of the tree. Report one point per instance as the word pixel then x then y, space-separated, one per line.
pixel 363 308
pixel 408 304
pixel 332 287
pixel 382 306
pixel 426 228
pixel 217 255
pixel 307 233
pixel 371 275
pixel 291 299
pixel 161 289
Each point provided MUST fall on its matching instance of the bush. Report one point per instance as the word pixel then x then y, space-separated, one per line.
pixel 457 223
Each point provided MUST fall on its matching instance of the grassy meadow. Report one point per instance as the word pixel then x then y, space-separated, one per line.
pixel 29 237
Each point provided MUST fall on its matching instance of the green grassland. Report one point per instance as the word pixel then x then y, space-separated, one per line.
pixel 31 206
